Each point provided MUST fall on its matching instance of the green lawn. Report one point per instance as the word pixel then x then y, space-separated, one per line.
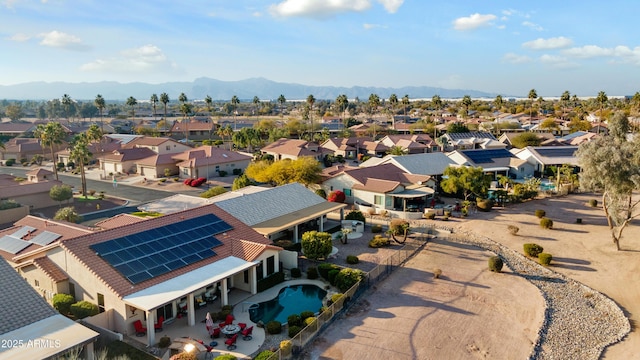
pixel 121 349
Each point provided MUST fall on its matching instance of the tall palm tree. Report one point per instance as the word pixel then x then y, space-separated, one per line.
pixel 95 135
pixel 310 101
pixel 154 103
pixel 565 98
pixel 164 99
pixel 532 96
pixel 393 102
pixel 437 103
pixel 81 155
pixel 100 104
pixel 498 102
pixel 342 101
pixel 374 102
pixel 66 102
pixel 405 103
pixel 185 109
pixel 51 134
pixel 466 102
pixel 209 101
pixel 256 102
pixel 234 102
pixel 131 101
pixel 602 100
pixel 281 100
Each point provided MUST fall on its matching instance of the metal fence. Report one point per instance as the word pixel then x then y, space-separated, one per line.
pixel 377 274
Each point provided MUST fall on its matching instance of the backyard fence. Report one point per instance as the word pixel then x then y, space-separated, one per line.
pixel 377 274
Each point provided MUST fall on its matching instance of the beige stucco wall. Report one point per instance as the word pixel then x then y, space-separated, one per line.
pixel 340 182
pixel 13 215
pixel 37 200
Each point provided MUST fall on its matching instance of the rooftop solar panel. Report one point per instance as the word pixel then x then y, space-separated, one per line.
pixel 145 255
pixel 45 238
pixel 23 231
pixel 563 151
pixel 12 244
pixel 487 156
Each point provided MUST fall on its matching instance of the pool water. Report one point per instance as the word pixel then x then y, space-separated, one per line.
pixel 291 300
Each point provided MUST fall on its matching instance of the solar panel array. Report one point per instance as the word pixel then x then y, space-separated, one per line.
pixel 45 238
pixel 471 134
pixel 20 233
pixel 486 156
pixel 561 151
pixel 145 255
pixel 12 245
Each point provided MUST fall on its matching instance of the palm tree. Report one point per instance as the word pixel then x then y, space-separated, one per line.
pixel 565 97
pixel 405 103
pixel 374 102
pixel 234 102
pixel 81 155
pixel 437 103
pixel 342 101
pixel 256 102
pixel 51 134
pixel 532 96
pixel 310 101
pixel 396 150
pixel 393 102
pixel 95 135
pixel 602 100
pixel 224 131
pixel 281 100
pixel 185 109
pixel 498 102
pixel 66 102
pixel 164 99
pixel 208 100
pixel 154 103
pixel 466 102
pixel 100 104
pixel 131 101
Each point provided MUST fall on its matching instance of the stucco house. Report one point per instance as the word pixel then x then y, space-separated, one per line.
pixel 33 192
pixel 544 156
pixel 293 149
pixel 471 140
pixel 210 161
pixel 494 161
pixel 411 143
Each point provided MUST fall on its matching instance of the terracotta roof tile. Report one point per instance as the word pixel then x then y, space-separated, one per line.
pixel 50 269
pixel 118 221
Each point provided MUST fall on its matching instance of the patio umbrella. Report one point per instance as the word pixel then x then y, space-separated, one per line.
pixel 209 322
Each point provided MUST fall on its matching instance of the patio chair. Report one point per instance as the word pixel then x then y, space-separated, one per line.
pixel 242 326
pixel 210 296
pixel 229 319
pixel 199 301
pixel 140 330
pixel 231 342
pixel 246 333
pixel 214 332
pixel 158 326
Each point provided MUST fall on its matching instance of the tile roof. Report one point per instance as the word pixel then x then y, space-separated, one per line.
pixel 155 160
pixel 10 189
pixel 424 164
pixel 377 185
pixel 10 127
pixel 208 155
pixel 192 126
pixel 471 134
pixel 118 221
pixel 148 141
pixel 50 269
pixel 387 172
pixel 40 172
pixel 293 147
pixel 129 154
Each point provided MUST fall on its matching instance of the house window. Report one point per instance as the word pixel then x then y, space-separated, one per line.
pixel 377 199
pixel 259 273
pixel 37 283
pixel 185 171
pixel 168 147
pixel 101 302
pixel 271 265
pixel 347 192
pixel 388 201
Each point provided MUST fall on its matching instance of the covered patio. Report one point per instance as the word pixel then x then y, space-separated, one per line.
pixel 411 199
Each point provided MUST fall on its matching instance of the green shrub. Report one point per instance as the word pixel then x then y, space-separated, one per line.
pixel 164 342
pixel 163 180
pixel 62 303
pixel 226 357
pixel 8 204
pixel 296 273
pixel 321 193
pixel 82 309
pixel 546 223
pixel 324 269
pixel 271 280
pixel 227 307
pixel 236 171
pixel 593 202
pixel 447 213
pixel 352 259
pixel 378 241
pixel 265 355
pixel 294 330
pixel 346 278
pixel 10 162
pixel 513 230
pixel 222 173
pixel 336 297
pixel 294 320
pixel 445 218
pixel 285 347
pixel 532 250
pixel 540 213
pixel 308 321
pixel 495 264
pixel 544 259
pixel 376 228
pixel 484 204
pixel 274 327
pixel 312 273
pixel 306 314
pixel 332 276
pixel 355 215
pixel 430 215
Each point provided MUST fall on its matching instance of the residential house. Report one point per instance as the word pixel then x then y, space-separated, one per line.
pixel 25 149
pixel 34 192
pixel 543 157
pixel 579 137
pixel 432 164
pixel 494 162
pixel 371 148
pixel 210 161
pixel 31 329
pixel 340 147
pixel 159 145
pixel 193 129
pixel 507 137
pixel 125 160
pixel 11 129
pixel 411 144
pixel 471 140
pixel 293 149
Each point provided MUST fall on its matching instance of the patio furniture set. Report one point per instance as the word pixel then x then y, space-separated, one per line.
pixel 141 330
pixel 230 330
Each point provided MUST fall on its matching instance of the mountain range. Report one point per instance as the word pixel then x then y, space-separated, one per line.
pixel 219 90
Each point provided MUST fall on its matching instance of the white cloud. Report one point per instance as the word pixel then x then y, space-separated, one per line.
pixel 473 21
pixel 532 26
pixel 550 43
pixel 515 58
pixel 619 54
pixel 391 5
pixel 19 37
pixel 367 26
pixel 317 8
pixel 588 51
pixel 558 61
pixel 62 40
pixel 147 58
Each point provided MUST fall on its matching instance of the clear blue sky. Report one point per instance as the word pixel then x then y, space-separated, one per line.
pixel 505 47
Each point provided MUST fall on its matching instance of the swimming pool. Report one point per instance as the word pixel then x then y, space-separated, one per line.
pixel 291 300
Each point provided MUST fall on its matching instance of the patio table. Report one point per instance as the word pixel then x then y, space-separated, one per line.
pixel 230 330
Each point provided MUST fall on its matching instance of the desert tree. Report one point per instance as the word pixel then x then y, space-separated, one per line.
pixel 466 179
pixel 50 135
pixel 100 103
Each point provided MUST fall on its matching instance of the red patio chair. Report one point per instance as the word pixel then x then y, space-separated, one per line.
pixel 246 333
pixel 214 332
pixel 231 342
pixel 140 330
pixel 242 326
pixel 158 326
pixel 229 319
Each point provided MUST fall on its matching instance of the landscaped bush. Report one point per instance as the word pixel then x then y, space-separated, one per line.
pixel 352 259
pixel 306 314
pixel 445 218
pixel 236 172
pixel 222 173
pixel 495 264
pixel 376 228
pixel 224 357
pixel 447 213
pixel 324 268
pixel 546 223
pixel 336 297
pixel 336 196
pixel 332 276
pixel 294 330
pixel 540 213
pixel 312 272
pixel 164 342
pixel 437 273
pixel 83 308
pixel 346 278
pixel 296 273
pixel 285 347
pixel 271 280
pixel 355 215
pixel 321 193
pixel 294 320
pixel 513 230
pixel 9 162
pixel 484 204
pixel 267 354
pixel 184 356
pixel 593 202
pixel 430 215
pixel 62 303
pixel 532 249
pixel 8 204
pixel 274 327
pixel 91 192
pixel 378 241
pixel 544 258
pixel 308 321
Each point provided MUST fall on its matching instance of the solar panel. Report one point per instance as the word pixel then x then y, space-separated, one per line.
pixel 23 231
pixel 45 238
pixel 12 244
pixel 487 156
pixel 563 151
pixel 145 255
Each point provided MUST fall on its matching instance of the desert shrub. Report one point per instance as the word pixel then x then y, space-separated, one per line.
pixel 544 258
pixel 336 297
pixel 83 308
pixel 532 249
pixel 312 272
pixel 9 204
pixel 274 327
pixel 266 354
pixel 346 278
pixel 62 303
pixel 296 273
pixel 430 215
pixel 447 213
pixel 352 259
pixel 593 202
pixel 376 228
pixel 227 307
pixel 294 320
pixel 225 357
pixel 294 330
pixel 540 213
pixel 546 223
pixel 176 179
pixel 283 243
pixel 495 263
pixel 324 269
pixel 308 321
pixel 332 276
pixel 378 241
pixel 9 162
pixel 236 171
pixel 163 180
pixel 484 205
pixel 316 245
pixel 321 193
pixel 91 192
pixel 437 273
pixel 355 215
pixel 513 230
pixel 285 347
pixel 445 218
pixel 306 314
pixel 164 342
pixel 222 173
pixel 184 356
